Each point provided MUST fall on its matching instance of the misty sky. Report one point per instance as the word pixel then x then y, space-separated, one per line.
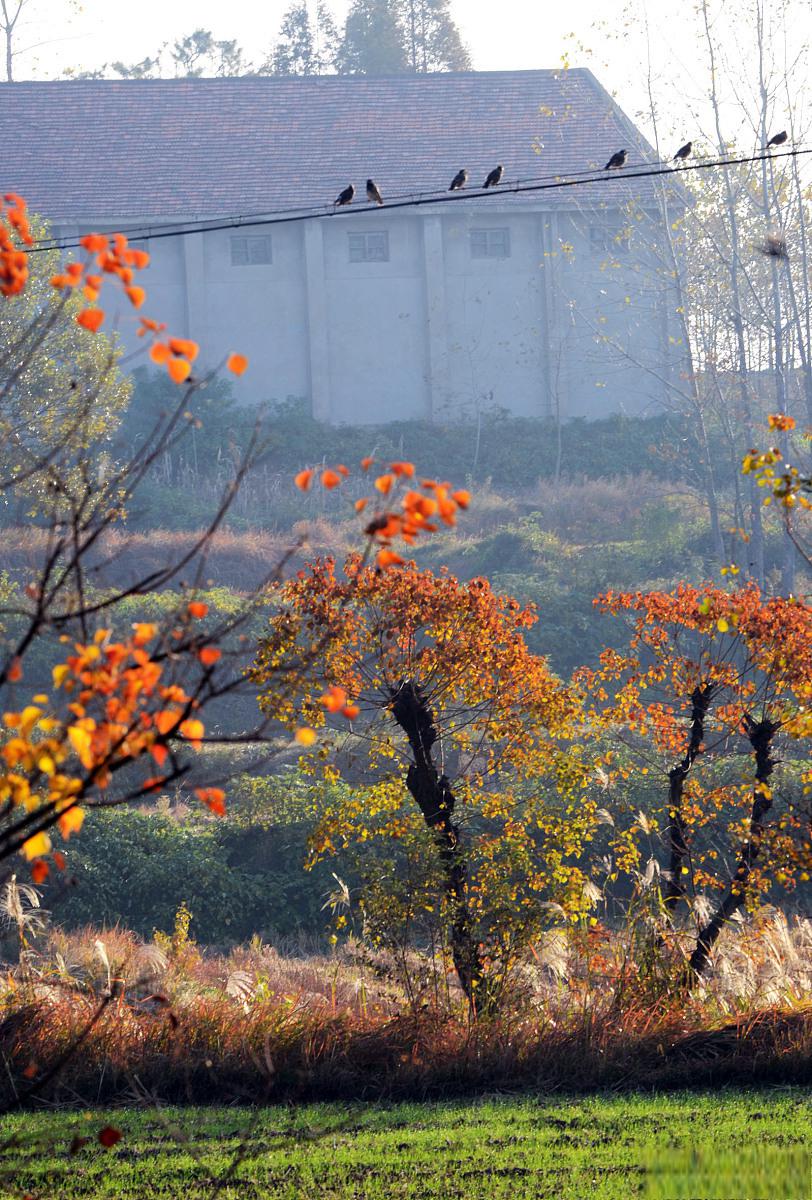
pixel 510 34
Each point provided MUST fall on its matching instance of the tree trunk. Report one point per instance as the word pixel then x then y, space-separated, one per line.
pixel 436 801
pixel 760 734
pixel 674 890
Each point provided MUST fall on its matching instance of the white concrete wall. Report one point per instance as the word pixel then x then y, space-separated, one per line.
pixel 434 331
pixel 376 314
pixel 497 336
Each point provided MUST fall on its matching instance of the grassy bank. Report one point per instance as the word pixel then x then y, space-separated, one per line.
pixel 733 1144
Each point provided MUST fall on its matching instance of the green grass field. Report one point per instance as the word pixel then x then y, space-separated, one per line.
pixel 751 1145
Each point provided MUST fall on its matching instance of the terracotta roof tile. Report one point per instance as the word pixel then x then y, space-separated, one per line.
pixel 108 149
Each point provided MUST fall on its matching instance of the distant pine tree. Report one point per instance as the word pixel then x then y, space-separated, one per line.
pixel 433 41
pixel 374 41
pixel 306 46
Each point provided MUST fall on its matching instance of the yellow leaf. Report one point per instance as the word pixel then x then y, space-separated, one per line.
pixel 722 625
pixel 36 846
pixel 71 821
pixel 46 764
pixel 80 740
pixel 305 737
pixel 59 674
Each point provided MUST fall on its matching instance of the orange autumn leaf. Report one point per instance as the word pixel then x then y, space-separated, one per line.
pixel 462 498
pixel 334 699
pixel 159 353
pixel 402 468
pixel 303 480
pixel 15 671
pixel 780 421
pixel 330 479
pixel 136 296
pixel 198 609
pixel 159 753
pixel 384 484
pixel 305 736
pixel 184 348
pixel 165 721
pixel 143 632
pixel 360 505
pixel 59 860
pixel 237 364
pixel 209 655
pixel 366 463
pixel 95 243
pixel 71 821
pixel 388 558
pixel 179 369
pixel 39 870
pixel 350 711
pixel 154 783
pixel 192 729
pixel 214 799
pixel 91 319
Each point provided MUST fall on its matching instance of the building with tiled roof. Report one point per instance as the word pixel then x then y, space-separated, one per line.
pixel 548 301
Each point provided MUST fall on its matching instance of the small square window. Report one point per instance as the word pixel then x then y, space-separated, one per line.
pixel 251 251
pixel 369 247
pixel 490 243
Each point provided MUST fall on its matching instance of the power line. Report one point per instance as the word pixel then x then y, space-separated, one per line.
pixel 419 200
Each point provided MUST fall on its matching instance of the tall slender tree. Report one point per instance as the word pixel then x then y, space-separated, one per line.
pixel 307 45
pixel 433 41
pixel 374 41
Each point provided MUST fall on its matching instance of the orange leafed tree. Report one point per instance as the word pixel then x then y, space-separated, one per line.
pixel 460 726
pixel 709 674
pixel 122 710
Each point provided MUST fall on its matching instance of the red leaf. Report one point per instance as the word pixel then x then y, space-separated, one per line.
pixel 91 318
pixel 39 870
pixel 109 1136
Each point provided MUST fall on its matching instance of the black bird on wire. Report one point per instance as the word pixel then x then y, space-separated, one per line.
pixel 495 177
pixel 617 161
pixel 373 193
pixel 459 181
pixel 684 151
pixel 345 197
pixel 777 139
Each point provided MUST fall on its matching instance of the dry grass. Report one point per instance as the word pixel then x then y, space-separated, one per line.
pixel 236 560
pixel 590 510
pixel 260 1024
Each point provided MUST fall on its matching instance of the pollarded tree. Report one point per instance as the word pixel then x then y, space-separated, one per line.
pixel 710 678
pixel 461 727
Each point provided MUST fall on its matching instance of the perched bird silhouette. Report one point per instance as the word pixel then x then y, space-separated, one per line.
pixel 347 196
pixel 495 177
pixel 684 151
pixel 459 180
pixel 373 194
pixel 617 161
pixel 777 139
pixel 774 246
